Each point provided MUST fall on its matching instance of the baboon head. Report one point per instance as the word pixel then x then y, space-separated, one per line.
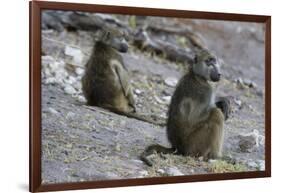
pixel 206 65
pixel 114 38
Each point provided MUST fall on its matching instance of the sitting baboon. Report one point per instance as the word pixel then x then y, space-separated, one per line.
pixel 106 82
pixel 195 120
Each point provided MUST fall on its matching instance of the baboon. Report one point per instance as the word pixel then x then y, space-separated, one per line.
pixel 106 82
pixel 195 119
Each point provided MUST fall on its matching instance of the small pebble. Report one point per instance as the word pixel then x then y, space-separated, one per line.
pixel 69 90
pixel 171 81
pixel 52 111
pixel 247 142
pixel 167 99
pixel 137 91
pixel 55 65
pixel 143 173
pixel 70 115
pixel 75 53
pixel 173 171
pixel 261 164
pixel 79 71
pixel 238 102
pixel 81 99
pixel 118 147
pixel 50 80
pixel 212 161
pixel 160 171
pixel 252 164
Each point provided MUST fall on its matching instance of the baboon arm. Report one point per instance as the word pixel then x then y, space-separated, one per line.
pixel 223 103
pixel 125 84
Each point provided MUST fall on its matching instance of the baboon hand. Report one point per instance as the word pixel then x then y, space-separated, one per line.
pixel 223 103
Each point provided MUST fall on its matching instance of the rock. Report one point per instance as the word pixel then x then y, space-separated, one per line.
pixel 137 91
pixel 261 164
pixel 250 83
pixel 69 90
pixel 78 86
pixel 238 102
pixel 70 115
pixel 160 101
pixel 211 161
pixel 46 60
pixel 50 80
pixel 79 71
pixel 252 164
pixel 52 111
pixel 111 175
pixel 70 80
pixel 171 81
pixel 167 99
pixel 161 171
pixel 137 161
pixel 55 65
pixel 173 171
pixel 248 142
pixel 81 99
pixel 75 53
pixel 118 147
pixel 245 83
pixel 142 174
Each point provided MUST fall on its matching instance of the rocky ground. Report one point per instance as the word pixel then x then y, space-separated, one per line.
pixel 81 143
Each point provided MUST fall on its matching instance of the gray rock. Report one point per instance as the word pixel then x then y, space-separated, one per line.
pixel 52 111
pixel 171 81
pixel 137 91
pixel 69 90
pixel 81 99
pixel 75 53
pixel 238 102
pixel 247 143
pixel 173 171
pixel 143 173
pixel 167 99
pixel 50 80
pixel 161 171
pixel 250 141
pixel 252 164
pixel 79 71
pixel 261 165
pixel 212 161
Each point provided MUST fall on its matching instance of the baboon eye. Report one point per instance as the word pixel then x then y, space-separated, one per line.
pixel 210 61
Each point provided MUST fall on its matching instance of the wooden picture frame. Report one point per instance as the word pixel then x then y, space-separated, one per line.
pixel 35 179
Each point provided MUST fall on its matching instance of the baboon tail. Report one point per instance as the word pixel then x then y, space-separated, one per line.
pixel 156 148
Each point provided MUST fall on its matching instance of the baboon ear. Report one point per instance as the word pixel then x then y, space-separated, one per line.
pixel 103 34
pixel 106 35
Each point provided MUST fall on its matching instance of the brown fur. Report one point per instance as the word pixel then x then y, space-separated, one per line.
pixel 106 81
pixel 195 124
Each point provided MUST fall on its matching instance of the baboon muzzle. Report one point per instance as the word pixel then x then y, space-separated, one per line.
pixel 123 48
pixel 215 75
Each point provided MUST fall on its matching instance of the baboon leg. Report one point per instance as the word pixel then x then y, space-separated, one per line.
pixel 216 123
pixel 124 83
pixel 207 138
